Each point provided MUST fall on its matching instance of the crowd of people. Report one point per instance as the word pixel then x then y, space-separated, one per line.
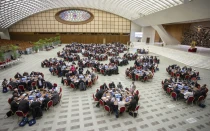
pixel 119 61
pixel 31 94
pixel 50 62
pixel 117 97
pixel 130 56
pixel 143 69
pixel 79 80
pixel 183 83
pixel 23 82
pixel 106 69
pixel 142 51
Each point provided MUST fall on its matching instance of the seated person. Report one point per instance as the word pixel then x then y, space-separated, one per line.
pixel 104 86
pixel 112 85
pixel 17 92
pixel 82 85
pixel 40 83
pixel 187 94
pixel 55 97
pixel 177 91
pixel 121 103
pixel 45 101
pixel 14 105
pixel 36 108
pixel 99 95
pixel 48 85
pixel 24 105
pixel 13 84
pixel 110 104
pixel 132 105
pixel 93 76
pixel 119 85
pixel 17 75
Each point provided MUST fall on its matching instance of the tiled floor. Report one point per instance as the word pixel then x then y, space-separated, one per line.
pixel 78 112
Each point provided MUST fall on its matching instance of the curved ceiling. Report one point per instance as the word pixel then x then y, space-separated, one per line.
pixel 12 11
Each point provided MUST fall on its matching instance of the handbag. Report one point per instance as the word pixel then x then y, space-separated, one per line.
pixel 8 114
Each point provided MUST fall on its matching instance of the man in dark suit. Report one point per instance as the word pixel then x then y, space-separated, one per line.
pixel 36 108
pixel 110 104
pixel 45 101
pixel 40 83
pixel 177 91
pixel 14 105
pixel 98 95
pixel 104 86
pixel 55 97
pixel 132 104
pixel 18 75
pixel 48 85
pixel 24 105
pixel 112 85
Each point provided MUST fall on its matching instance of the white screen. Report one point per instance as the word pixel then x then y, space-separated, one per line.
pixel 138 34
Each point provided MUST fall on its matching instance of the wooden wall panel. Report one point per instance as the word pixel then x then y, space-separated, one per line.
pixel 69 38
pixel 176 30
pixel 157 37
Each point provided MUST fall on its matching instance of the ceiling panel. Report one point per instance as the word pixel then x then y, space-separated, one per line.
pixel 12 11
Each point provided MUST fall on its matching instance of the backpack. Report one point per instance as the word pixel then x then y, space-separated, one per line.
pixel 8 114
pixel 202 105
pixel 23 122
pixel 4 90
pixel 32 122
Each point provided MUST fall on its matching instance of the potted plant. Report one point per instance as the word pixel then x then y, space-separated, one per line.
pixel 36 47
pixel 1 54
pixel 14 49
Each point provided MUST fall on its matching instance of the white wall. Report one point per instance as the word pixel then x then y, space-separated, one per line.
pixel 148 32
pixel 134 28
pixel 4 34
pixel 189 11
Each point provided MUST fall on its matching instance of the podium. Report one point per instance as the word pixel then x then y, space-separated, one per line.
pixel 192 49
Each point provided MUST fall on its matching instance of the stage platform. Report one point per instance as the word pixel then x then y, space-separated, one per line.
pixel 200 59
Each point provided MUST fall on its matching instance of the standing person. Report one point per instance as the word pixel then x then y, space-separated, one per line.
pixel 132 87
pixel 40 83
pixel 4 85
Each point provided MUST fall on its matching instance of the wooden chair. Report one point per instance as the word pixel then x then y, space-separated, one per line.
pixel 101 102
pixel 60 90
pixel 60 97
pixel 49 104
pixel 201 98
pixel 21 87
pixel 95 99
pixel 190 100
pixel 122 110
pixel 106 108
pixel 174 95
pixel 10 87
pixel 20 114
pixel 72 86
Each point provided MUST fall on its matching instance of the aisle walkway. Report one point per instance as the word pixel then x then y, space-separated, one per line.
pixel 190 59
pixel 78 112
